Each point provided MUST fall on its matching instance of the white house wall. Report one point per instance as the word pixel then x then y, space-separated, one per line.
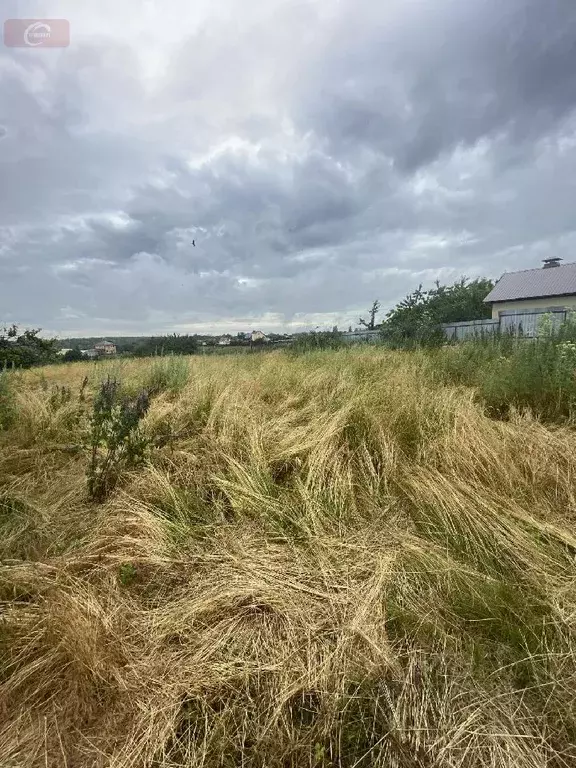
pixel 526 305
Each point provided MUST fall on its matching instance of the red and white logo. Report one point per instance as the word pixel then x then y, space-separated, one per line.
pixel 37 33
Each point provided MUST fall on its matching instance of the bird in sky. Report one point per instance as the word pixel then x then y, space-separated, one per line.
pixel 194 243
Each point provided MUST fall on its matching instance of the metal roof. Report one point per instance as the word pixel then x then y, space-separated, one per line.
pixel 535 283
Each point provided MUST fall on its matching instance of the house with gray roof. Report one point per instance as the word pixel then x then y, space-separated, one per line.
pixel 549 288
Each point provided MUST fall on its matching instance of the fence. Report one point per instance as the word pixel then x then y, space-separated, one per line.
pixel 370 337
pixel 470 328
pixel 511 321
pixel 527 323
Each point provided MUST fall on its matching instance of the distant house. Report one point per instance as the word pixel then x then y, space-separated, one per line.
pixel 258 336
pixel 90 353
pixel 63 351
pixel 105 348
pixel 224 341
pixel 549 288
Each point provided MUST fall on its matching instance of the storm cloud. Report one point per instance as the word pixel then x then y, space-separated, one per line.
pixel 320 154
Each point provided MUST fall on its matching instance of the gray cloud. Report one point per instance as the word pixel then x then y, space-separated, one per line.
pixel 319 156
pixel 441 75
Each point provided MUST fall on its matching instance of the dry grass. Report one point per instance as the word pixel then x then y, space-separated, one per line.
pixel 326 561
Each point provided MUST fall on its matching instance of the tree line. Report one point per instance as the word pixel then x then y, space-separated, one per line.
pixel 416 319
pixel 23 349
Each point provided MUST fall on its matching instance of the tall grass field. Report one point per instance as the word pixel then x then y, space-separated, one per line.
pixel 335 559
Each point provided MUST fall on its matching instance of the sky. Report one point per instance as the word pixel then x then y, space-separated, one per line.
pixel 320 153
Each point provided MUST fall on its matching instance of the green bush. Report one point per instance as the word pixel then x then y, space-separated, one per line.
pixel 73 356
pixel 115 438
pixel 416 320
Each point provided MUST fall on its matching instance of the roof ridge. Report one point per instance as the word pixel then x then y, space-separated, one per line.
pixel 538 269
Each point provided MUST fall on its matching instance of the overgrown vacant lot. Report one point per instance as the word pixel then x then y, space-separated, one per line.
pixel 326 560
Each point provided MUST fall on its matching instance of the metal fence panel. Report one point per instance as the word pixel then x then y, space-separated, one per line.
pixel 528 323
pixel 470 328
pixel 510 321
pixel 370 337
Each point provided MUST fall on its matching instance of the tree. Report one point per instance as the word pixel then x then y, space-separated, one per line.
pixel 73 355
pixel 25 349
pixel 373 311
pixel 418 317
pixel 173 344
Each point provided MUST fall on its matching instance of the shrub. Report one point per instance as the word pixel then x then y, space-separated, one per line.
pixel 115 438
pixel 73 356
pixel 415 321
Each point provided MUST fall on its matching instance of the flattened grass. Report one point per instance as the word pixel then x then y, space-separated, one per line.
pixel 328 560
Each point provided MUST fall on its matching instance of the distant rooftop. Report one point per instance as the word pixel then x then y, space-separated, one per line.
pixel 553 279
